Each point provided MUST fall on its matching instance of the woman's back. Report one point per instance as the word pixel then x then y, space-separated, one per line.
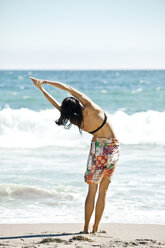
pixel 93 118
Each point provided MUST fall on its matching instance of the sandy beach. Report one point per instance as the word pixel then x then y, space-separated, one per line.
pixel 68 235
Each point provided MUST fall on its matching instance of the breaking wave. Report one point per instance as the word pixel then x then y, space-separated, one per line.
pixel 27 128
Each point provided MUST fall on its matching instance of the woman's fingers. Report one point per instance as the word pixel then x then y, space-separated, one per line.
pixel 33 78
pixel 36 81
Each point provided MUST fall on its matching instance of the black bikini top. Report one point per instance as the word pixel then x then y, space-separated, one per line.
pixel 105 119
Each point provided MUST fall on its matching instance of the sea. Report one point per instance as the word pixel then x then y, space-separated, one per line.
pixel 42 165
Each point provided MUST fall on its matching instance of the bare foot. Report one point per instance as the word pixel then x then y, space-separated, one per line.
pixel 84 232
pixel 94 229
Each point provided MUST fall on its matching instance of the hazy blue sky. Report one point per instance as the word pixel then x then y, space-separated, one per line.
pixel 82 34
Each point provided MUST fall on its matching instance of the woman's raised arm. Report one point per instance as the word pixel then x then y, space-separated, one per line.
pixel 38 83
pixel 86 101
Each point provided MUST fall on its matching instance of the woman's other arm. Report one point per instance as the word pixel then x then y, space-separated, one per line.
pixel 37 83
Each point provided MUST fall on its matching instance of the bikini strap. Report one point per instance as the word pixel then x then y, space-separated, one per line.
pixel 105 119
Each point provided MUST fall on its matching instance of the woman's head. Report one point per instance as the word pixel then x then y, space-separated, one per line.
pixel 71 111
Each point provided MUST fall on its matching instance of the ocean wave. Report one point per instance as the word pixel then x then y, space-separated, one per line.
pixel 27 128
pixel 140 128
pixel 28 192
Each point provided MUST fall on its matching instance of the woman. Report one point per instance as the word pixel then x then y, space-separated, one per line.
pixel 104 152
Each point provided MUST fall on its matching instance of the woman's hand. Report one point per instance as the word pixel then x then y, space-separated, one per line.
pixel 37 82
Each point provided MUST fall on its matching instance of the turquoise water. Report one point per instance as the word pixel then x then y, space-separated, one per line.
pixel 135 91
pixel 42 165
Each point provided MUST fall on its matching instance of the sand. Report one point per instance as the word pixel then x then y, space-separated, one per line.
pixel 67 235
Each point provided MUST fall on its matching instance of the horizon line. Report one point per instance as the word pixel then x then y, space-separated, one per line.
pixel 81 69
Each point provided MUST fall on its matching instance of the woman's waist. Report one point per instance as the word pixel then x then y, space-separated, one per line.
pixel 106 140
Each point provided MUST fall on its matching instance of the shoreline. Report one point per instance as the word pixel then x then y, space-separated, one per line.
pixel 68 235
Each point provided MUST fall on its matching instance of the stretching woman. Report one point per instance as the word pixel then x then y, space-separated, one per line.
pixel 104 151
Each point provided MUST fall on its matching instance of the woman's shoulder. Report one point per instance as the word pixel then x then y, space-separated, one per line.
pixel 92 109
pixel 91 113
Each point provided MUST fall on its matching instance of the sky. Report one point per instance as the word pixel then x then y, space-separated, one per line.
pixel 76 34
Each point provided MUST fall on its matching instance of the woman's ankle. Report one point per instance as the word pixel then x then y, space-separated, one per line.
pixel 86 229
pixel 95 228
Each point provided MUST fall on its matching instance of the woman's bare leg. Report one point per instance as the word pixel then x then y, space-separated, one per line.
pixel 100 203
pixel 89 204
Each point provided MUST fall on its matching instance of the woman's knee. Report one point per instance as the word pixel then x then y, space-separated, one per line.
pixel 103 186
pixel 92 189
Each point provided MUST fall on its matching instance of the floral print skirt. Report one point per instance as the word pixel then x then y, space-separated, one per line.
pixel 102 159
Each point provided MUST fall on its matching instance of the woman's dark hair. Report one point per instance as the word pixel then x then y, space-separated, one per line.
pixel 71 111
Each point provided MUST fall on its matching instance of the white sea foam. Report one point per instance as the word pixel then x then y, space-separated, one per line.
pixel 28 128
pixel 22 87
pixel 44 180
pixel 144 81
pixel 14 93
pixel 103 91
pixel 160 88
pixel 137 91
pixel 21 191
pixel 26 97
pixel 140 128
pixel 20 77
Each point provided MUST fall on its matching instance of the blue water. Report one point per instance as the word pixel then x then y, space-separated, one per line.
pixel 42 165
pixel 135 91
